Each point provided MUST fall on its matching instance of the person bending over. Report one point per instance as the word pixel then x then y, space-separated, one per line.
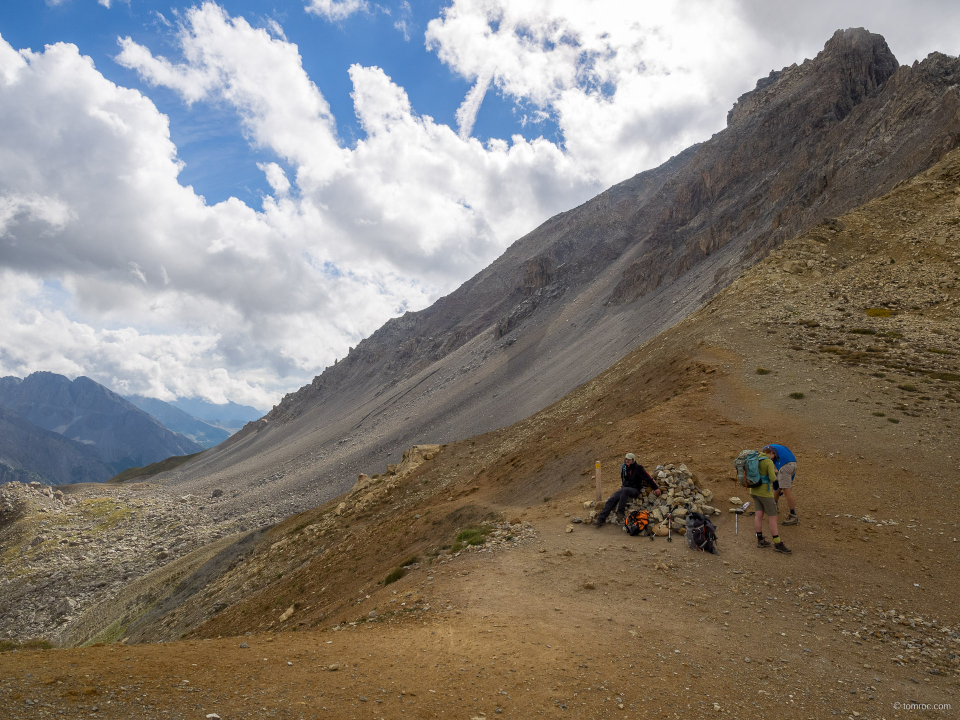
pixel 786 464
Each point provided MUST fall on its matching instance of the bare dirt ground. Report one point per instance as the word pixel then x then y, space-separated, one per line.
pixel 861 621
pixel 590 623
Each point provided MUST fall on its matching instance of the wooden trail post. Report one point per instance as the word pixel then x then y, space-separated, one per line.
pixel 599 492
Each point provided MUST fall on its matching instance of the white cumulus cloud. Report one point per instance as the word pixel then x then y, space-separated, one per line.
pixel 336 9
pixel 111 267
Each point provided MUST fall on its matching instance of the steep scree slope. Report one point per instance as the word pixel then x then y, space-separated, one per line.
pixel 576 294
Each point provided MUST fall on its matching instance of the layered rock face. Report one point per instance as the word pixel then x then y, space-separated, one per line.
pixel 564 302
pixel 83 411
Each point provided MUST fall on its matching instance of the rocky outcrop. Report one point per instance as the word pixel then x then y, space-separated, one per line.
pixel 857 63
pixel 811 141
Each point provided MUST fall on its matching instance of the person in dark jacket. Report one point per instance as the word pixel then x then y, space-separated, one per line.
pixel 632 479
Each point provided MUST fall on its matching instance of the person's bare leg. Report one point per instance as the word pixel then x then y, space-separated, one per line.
pixel 788 494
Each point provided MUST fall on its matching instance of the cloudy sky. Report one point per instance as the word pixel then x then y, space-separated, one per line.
pixel 218 199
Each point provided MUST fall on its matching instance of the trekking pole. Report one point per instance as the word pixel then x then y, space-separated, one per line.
pixel 669 525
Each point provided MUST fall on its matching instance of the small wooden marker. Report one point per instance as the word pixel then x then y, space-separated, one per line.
pixel 599 492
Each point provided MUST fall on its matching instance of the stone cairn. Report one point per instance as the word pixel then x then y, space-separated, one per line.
pixel 680 495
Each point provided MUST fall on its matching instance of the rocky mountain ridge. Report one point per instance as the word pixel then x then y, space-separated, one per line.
pixel 577 293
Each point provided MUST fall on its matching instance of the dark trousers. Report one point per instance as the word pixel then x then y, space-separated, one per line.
pixel 620 498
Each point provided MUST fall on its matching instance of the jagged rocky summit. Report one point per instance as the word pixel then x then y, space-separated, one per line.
pixel 572 297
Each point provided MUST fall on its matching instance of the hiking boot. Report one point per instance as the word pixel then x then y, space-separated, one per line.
pixel 792 519
pixel 599 521
pixel 763 543
pixel 621 518
pixel 781 547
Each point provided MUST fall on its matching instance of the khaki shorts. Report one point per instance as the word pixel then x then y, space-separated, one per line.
pixel 766 505
pixel 786 475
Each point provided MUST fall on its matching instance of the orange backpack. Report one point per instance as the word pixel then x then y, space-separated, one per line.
pixel 637 521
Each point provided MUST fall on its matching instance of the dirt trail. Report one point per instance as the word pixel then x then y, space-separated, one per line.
pixel 665 631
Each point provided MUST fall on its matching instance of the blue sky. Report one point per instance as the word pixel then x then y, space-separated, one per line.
pixel 218 161
pixel 218 199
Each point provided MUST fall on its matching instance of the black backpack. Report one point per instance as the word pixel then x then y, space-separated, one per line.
pixel 701 533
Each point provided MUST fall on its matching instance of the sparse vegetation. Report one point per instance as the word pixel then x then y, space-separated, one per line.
pixel 879 312
pixel 394 576
pixel 893 420
pixel 762 371
pixel 797 395
pixel 863 331
pixel 152 469
pixel 36 644
pixel 907 387
pixel 470 536
pixel 879 414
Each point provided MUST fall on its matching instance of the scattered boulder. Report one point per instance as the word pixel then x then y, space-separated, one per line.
pixel 415 456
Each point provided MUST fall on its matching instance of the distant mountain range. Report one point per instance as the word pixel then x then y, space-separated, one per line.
pixel 207 424
pixel 173 418
pixel 60 431
pixel 29 453
pixel 229 416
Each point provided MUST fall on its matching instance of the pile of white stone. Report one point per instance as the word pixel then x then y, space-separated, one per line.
pixel 679 496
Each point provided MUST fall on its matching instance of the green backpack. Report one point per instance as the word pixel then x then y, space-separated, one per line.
pixel 748 469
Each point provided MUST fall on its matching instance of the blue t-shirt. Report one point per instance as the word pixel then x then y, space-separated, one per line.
pixel 784 455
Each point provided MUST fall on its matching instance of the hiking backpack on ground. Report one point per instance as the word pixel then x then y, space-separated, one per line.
pixel 637 521
pixel 701 533
pixel 748 469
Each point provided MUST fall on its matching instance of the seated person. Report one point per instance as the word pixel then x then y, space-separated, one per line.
pixel 632 478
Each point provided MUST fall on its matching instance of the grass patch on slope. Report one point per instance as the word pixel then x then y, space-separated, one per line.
pixel 138 473
pixel 471 536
